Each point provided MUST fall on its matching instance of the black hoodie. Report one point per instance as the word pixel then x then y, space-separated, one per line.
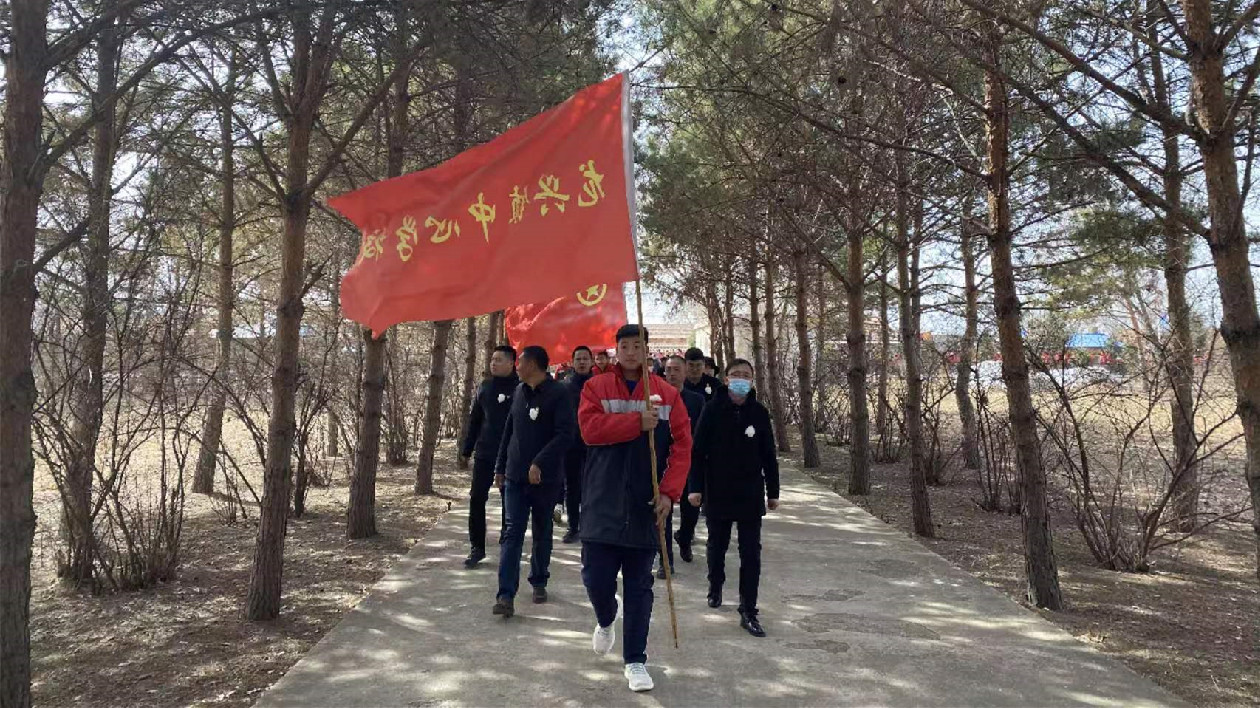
pixel 489 411
pixel 733 462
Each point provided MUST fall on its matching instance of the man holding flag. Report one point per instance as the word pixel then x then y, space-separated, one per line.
pixel 620 518
pixel 544 211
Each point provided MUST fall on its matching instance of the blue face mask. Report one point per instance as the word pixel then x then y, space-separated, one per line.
pixel 739 387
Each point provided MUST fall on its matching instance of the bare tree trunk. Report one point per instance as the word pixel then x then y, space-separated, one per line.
pixel 820 346
pixel 804 367
pixel 1039 561
pixel 264 583
pixel 494 324
pixel 361 513
pixel 396 414
pixel 21 184
pixel 921 510
pixel 263 600
pixel 1185 492
pixel 470 372
pixel 462 118
pixel 433 406
pixel 1180 359
pixel 212 428
pixel 967 353
pixel 754 309
pixel 860 416
pixel 714 312
pixel 882 407
pixel 1240 322
pixel 773 378
pixel 89 400
pixel 333 446
pixel 728 314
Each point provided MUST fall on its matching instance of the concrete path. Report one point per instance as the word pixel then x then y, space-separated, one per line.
pixel 857 614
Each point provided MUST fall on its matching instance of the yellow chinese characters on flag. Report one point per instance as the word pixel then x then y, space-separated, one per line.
pixel 538 213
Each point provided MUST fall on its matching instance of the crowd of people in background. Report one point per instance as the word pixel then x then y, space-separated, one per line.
pixel 604 360
pixel 574 436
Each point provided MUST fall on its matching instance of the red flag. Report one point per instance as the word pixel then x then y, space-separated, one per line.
pixel 538 213
pixel 589 317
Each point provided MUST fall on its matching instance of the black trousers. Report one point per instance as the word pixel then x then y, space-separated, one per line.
pixel 573 463
pixel 749 558
pixel 690 516
pixel 478 495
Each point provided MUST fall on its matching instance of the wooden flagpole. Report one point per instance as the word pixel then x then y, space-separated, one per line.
pixel 646 378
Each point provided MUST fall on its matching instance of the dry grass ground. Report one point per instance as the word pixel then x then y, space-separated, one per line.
pixel 185 642
pixel 1192 624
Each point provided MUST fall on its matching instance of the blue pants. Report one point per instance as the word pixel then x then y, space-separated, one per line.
pixel 521 503
pixel 600 564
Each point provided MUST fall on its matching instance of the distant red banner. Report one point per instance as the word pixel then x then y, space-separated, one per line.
pixel 589 317
pixel 538 213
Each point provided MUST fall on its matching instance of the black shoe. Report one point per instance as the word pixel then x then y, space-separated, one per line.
pixel 715 598
pixel 540 595
pixel 660 572
pixel 750 623
pixel 684 548
pixel 503 606
pixel 570 536
pixel 475 556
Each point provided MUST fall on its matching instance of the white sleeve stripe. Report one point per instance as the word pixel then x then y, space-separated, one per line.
pixel 632 406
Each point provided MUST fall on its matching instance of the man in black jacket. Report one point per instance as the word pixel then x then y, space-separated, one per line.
pixel 735 474
pixel 540 427
pixel 583 362
pixel 702 384
pixel 484 433
pixel 676 375
pixel 697 380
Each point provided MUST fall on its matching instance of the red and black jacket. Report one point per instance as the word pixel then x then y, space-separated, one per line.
pixel 617 504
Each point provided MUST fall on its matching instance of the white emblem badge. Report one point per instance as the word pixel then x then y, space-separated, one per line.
pixel 533 414
pixel 656 398
pixel 502 397
pixel 750 431
pixel 709 389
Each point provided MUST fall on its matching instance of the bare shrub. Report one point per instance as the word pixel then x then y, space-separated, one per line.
pixel 997 477
pixel 134 522
pixel 1111 448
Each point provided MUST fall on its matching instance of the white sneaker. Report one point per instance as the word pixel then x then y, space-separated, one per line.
pixel 603 639
pixel 639 678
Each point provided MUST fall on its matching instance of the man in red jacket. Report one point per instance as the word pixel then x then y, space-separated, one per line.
pixel 620 517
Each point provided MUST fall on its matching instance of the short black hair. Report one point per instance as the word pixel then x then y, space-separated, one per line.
pixel 506 350
pixel 711 363
pixel 603 353
pixel 694 354
pixel 581 348
pixel 632 330
pixel 736 362
pixel 538 355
